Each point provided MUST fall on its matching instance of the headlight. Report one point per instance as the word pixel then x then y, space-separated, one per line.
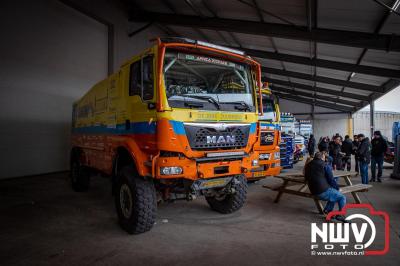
pixel 264 156
pixel 277 155
pixel 171 170
pixel 254 162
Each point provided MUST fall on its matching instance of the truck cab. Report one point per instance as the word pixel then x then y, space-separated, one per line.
pixel 266 149
pixel 177 121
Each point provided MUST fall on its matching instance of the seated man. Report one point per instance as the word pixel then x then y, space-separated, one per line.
pixel 322 184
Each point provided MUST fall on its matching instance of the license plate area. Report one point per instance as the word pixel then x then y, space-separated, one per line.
pixel 260 174
pixel 219 170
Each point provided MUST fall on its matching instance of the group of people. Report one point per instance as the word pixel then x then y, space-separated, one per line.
pixel 335 154
pixel 339 152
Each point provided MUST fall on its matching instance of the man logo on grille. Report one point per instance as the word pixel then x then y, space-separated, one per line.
pixel 269 138
pixel 220 139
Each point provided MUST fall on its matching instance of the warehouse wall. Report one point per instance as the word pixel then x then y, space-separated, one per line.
pixel 329 127
pixel 50 55
pixel 383 122
pixel 324 124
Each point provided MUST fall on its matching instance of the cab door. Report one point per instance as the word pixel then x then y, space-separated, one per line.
pixel 141 95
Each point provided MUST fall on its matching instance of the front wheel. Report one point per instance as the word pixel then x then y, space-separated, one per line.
pixel 135 201
pixel 233 201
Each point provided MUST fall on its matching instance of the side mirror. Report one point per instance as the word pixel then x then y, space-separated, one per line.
pixel 151 106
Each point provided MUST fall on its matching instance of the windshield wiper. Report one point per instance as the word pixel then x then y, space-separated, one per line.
pixel 243 106
pixel 206 98
pixel 195 105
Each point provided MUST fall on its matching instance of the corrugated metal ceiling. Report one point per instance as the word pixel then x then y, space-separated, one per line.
pixel 343 15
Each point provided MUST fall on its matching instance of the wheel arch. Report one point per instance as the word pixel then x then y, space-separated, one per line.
pixel 122 158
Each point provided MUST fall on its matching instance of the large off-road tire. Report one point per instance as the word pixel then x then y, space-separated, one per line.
pixel 135 201
pixel 231 202
pixel 80 175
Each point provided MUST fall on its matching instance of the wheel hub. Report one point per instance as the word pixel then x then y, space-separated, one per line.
pixel 126 200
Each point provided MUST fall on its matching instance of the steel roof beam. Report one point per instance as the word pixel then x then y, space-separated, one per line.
pixel 338 82
pixel 318 103
pixel 275 88
pixel 319 89
pixel 321 113
pixel 368 70
pixel 385 42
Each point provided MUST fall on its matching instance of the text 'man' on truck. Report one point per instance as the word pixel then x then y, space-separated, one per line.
pixel 177 121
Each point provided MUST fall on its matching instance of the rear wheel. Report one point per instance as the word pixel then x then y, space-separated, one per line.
pixel 230 202
pixel 80 175
pixel 135 201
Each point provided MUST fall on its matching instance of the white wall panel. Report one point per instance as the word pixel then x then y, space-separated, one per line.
pixel 50 56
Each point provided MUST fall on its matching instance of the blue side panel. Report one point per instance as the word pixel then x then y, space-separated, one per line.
pixel 178 127
pixel 134 128
pixel 395 131
pixel 275 126
pixel 287 150
pixel 138 128
pixel 253 127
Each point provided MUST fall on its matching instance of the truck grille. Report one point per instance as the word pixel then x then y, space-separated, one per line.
pixel 267 138
pixel 217 136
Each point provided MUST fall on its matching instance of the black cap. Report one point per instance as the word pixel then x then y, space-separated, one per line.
pixel 360 136
pixel 378 133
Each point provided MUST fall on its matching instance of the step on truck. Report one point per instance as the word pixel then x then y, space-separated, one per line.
pixel 177 121
pixel 266 155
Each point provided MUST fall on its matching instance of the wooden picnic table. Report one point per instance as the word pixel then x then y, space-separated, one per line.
pixel 297 177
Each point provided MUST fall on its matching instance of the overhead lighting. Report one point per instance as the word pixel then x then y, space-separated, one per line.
pixel 352 74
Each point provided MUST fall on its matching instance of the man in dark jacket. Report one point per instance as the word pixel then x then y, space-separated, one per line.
pixel 311 145
pixel 319 184
pixel 379 147
pixel 356 143
pixel 323 146
pixel 364 157
pixel 335 152
pixel 347 149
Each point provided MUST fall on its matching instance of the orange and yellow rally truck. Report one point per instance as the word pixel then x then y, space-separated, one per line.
pixel 267 145
pixel 175 122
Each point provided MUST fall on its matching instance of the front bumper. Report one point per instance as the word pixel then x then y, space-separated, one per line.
pixel 270 167
pixel 196 169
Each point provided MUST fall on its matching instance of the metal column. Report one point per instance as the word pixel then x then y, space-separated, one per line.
pixel 372 117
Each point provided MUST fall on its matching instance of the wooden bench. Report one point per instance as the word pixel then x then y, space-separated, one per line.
pixel 303 190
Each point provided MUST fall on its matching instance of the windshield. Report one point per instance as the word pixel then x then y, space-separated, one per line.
pixel 269 112
pixel 209 83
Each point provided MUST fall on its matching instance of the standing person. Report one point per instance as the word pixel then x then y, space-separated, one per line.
pixel 364 156
pixel 379 147
pixel 356 143
pixel 347 149
pixel 323 146
pixel 311 145
pixel 335 153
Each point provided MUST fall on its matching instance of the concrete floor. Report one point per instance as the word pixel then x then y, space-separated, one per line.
pixel 43 222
